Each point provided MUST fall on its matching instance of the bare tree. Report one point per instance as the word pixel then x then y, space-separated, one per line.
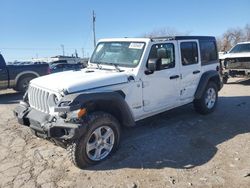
pixel 233 36
pixel 247 32
pixel 168 31
pixel 220 43
pixel 225 42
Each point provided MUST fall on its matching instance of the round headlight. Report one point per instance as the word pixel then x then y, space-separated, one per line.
pixel 53 100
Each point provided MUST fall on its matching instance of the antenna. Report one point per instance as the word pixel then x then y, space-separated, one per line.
pixel 93 20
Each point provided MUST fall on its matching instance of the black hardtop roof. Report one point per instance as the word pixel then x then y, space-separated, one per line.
pixel 183 38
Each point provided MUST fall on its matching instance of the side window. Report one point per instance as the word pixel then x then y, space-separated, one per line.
pixel 189 53
pixel 60 66
pixel 164 53
pixel 208 52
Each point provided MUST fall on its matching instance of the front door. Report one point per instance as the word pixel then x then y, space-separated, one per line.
pixel 190 69
pixel 160 89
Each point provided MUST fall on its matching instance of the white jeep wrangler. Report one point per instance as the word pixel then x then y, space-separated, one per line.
pixel 128 79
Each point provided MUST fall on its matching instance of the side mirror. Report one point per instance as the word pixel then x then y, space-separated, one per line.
pixel 152 65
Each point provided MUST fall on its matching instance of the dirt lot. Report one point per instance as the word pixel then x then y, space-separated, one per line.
pixel 178 148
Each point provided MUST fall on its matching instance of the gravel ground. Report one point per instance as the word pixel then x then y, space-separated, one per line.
pixel 178 148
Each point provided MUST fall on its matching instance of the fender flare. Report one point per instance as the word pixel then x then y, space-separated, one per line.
pixel 205 78
pixel 25 73
pixel 114 99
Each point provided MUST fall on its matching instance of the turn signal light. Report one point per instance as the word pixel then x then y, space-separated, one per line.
pixel 81 112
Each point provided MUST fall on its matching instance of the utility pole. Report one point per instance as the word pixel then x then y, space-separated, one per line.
pixel 62 46
pixel 76 54
pixel 82 52
pixel 94 19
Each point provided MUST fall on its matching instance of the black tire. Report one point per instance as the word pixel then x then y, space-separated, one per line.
pixel 77 150
pixel 225 79
pixel 23 83
pixel 201 106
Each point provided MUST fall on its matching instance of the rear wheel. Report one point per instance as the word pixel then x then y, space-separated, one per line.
pixel 23 83
pixel 207 103
pixel 99 142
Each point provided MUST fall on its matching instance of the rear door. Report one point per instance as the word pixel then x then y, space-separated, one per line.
pixel 3 74
pixel 190 69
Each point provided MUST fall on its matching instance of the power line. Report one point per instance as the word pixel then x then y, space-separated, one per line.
pixel 10 48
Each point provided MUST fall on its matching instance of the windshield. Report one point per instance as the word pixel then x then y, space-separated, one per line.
pixel 239 48
pixel 127 54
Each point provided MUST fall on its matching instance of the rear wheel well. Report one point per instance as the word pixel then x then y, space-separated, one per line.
pixel 29 75
pixel 25 76
pixel 216 80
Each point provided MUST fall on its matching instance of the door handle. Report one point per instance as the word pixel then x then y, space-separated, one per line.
pixel 196 72
pixel 174 77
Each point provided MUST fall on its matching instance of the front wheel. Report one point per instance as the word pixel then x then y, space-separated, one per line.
pixel 100 140
pixel 225 79
pixel 207 103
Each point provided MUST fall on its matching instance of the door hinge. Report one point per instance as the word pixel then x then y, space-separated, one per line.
pixel 144 102
pixel 144 84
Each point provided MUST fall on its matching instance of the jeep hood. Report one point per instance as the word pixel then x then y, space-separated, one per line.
pixel 74 81
pixel 235 55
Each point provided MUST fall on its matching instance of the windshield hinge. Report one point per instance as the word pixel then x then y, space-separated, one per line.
pixel 145 84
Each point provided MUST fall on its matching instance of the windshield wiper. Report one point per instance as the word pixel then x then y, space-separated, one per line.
pixel 106 63
pixel 97 64
pixel 116 66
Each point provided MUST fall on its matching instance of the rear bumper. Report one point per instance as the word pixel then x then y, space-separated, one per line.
pixel 47 126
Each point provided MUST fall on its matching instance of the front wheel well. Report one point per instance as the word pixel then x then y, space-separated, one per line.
pixel 105 106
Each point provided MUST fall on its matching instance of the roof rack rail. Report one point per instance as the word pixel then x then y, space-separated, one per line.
pixel 165 38
pixel 168 38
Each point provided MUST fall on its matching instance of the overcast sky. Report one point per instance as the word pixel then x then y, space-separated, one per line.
pixel 38 28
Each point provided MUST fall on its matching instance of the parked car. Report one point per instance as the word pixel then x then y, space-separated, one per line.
pixel 59 67
pixel 19 76
pixel 236 61
pixel 128 79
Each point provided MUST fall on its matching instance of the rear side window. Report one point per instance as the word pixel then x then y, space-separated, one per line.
pixel 189 53
pixel 208 52
pixel 60 66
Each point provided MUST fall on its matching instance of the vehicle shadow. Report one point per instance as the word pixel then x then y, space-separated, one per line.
pixel 10 98
pixel 180 138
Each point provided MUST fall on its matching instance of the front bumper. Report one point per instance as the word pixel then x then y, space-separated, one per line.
pixel 47 126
